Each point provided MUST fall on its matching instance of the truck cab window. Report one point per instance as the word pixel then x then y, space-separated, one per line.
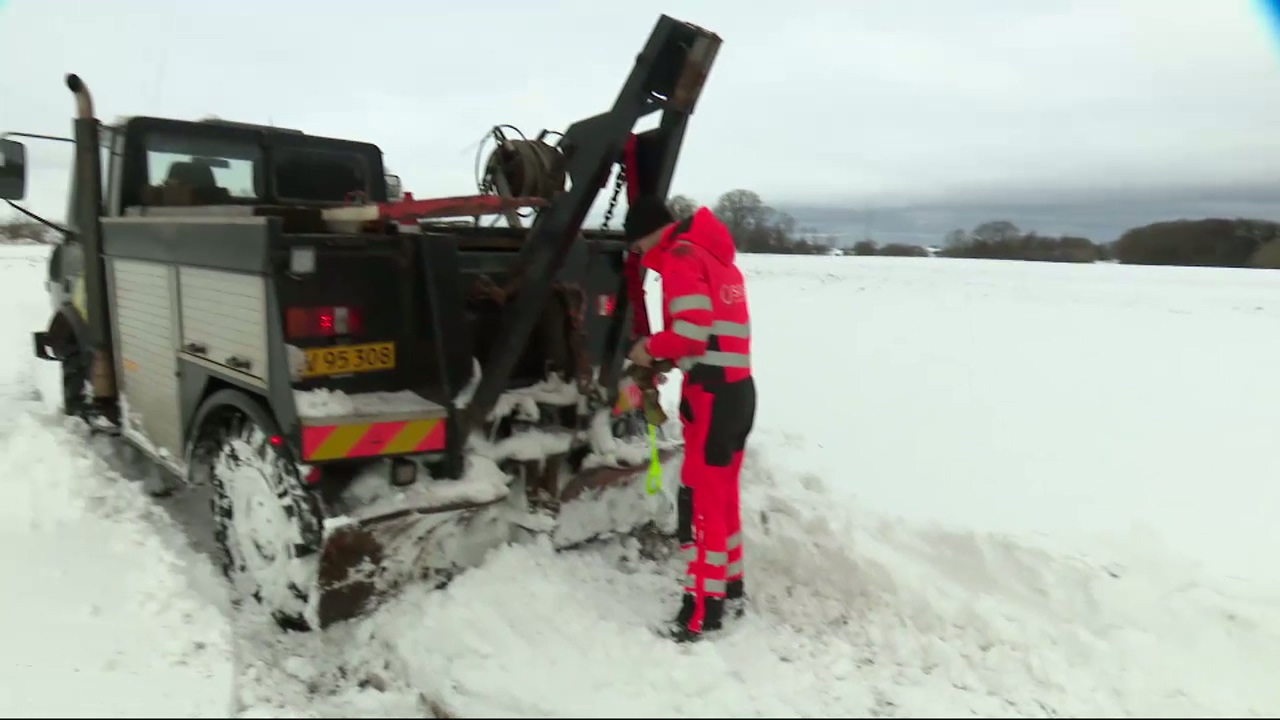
pixel 199 171
pixel 319 175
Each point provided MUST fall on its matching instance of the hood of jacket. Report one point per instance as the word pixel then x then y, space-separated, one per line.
pixel 703 229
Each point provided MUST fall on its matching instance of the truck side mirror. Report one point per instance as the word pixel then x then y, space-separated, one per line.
pixel 395 190
pixel 13 170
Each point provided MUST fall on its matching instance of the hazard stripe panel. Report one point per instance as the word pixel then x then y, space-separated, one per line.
pixel 337 442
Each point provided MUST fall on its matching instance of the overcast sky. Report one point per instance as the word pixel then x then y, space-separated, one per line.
pixel 859 101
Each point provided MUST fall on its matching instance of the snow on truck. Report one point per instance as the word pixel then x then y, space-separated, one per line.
pixel 370 387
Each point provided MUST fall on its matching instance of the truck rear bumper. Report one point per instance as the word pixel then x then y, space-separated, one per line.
pixel 352 437
pixel 340 426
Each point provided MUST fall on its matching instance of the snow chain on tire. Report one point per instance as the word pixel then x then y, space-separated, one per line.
pixel 229 418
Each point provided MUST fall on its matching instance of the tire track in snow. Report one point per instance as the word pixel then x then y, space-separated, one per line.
pixel 327 674
pixel 112 610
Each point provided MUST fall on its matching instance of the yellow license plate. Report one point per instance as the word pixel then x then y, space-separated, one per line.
pixel 343 359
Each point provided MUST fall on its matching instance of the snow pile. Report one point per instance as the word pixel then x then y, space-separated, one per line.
pixel 1017 489
pixel 619 508
pixel 853 616
pixel 326 403
pixel 522 403
pixel 608 450
pixel 106 612
pixel 961 399
pixel 373 494
pixel 1062 404
pixel 522 444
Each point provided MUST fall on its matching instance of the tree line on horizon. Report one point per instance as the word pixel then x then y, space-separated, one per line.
pixel 759 228
pixel 756 226
pixel 1219 242
pixel 1210 242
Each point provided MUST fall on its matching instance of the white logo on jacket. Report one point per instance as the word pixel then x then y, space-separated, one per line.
pixel 731 294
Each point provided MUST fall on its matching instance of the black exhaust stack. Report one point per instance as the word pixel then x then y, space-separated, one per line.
pixel 88 225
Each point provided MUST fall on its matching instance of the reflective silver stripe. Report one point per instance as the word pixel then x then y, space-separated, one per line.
pixel 684 328
pixel 717 559
pixel 731 329
pixel 735 541
pixel 717 358
pixel 688 302
pixel 713 587
pixel 735 570
pixel 725 359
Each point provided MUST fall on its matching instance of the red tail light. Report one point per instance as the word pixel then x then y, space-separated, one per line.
pixel 311 322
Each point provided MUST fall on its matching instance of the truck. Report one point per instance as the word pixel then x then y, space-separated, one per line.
pixel 372 388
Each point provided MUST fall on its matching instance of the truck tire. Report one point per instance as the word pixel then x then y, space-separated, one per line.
pixel 267 525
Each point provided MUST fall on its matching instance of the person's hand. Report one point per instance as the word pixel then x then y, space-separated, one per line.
pixel 640 353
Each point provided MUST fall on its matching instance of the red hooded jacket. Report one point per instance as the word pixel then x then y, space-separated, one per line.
pixel 705 319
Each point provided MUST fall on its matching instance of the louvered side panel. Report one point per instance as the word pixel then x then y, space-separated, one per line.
pixel 148 339
pixel 224 318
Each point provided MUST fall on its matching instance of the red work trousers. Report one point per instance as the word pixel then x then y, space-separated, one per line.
pixel 717 418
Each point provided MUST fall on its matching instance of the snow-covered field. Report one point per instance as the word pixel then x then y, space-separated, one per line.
pixel 976 488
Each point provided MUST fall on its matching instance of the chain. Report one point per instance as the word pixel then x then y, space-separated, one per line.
pixel 613 200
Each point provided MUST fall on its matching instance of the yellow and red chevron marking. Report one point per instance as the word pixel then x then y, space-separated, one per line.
pixel 337 442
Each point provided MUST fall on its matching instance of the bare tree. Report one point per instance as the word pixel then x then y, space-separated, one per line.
pixel 19 230
pixel 682 206
pixel 996 231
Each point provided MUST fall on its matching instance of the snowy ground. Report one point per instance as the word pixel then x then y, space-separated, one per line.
pixel 976 488
pixel 105 611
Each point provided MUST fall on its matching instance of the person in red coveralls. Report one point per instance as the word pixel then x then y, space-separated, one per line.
pixel 707 334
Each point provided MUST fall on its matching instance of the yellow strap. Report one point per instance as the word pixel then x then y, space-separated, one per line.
pixel 653 483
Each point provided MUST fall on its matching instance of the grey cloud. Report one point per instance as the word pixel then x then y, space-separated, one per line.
pixel 875 101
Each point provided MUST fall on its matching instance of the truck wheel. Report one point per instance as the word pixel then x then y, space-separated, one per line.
pixel 267 524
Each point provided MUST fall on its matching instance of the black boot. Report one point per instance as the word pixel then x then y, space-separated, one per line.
pixel 712 620
pixel 735 603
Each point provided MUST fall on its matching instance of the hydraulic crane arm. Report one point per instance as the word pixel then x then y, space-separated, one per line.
pixel 668 76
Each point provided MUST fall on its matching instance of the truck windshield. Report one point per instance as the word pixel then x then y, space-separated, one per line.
pixel 314 175
pixel 182 170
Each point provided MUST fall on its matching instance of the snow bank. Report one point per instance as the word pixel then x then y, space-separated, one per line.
pixel 1064 404
pixel 976 488
pixel 105 613
pixel 1032 577
pixel 854 616
pixel 326 403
